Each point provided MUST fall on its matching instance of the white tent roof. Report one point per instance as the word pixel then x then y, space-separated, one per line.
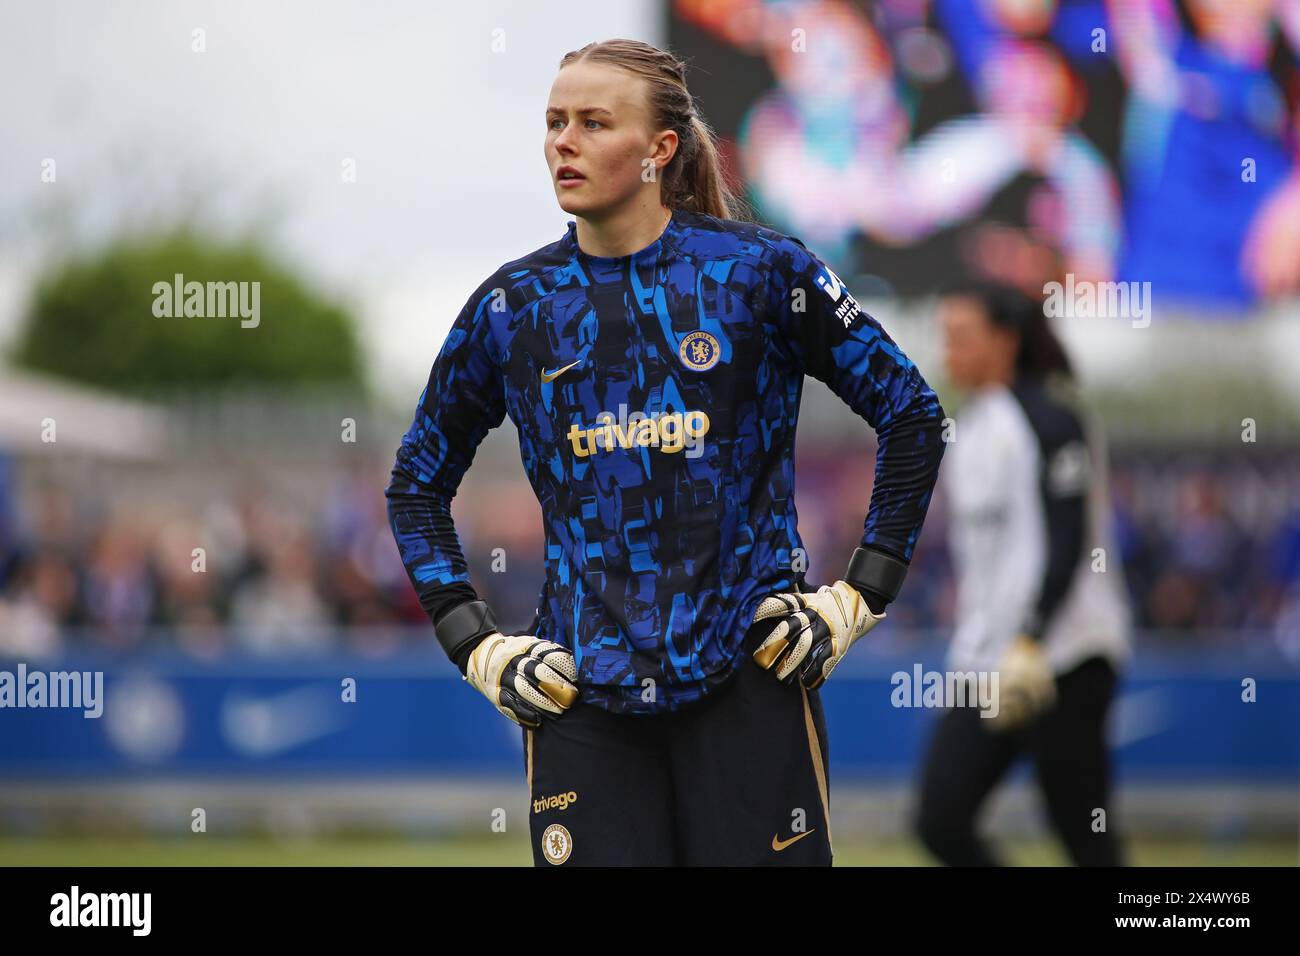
pixel 85 420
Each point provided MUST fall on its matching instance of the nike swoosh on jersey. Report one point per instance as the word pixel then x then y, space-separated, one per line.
pixel 550 376
pixel 778 844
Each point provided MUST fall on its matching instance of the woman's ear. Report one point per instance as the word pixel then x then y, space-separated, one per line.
pixel 665 147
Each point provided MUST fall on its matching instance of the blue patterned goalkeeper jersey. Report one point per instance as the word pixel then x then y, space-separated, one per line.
pixel 655 396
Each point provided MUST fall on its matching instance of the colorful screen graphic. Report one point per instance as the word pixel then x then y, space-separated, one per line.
pixel 917 141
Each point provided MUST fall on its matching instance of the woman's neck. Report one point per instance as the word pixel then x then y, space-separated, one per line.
pixel 624 232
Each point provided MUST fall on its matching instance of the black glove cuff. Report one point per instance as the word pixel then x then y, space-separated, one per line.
pixel 464 624
pixel 872 570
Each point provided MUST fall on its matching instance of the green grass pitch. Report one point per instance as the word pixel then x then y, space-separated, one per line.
pixel 513 850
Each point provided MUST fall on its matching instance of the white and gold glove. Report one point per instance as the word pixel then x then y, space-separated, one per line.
pixel 1026 686
pixel 817 630
pixel 525 677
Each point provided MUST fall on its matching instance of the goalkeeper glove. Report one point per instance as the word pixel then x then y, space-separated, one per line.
pixel 1026 687
pixel 525 677
pixel 816 630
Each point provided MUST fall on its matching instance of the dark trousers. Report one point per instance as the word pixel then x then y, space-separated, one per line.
pixel 1067 744
pixel 736 779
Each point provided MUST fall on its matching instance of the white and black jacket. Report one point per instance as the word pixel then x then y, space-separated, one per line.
pixel 1030 532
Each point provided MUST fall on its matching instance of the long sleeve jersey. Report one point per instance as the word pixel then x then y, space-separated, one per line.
pixel 655 397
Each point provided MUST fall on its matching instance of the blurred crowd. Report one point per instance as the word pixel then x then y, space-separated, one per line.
pixel 1206 544
pixel 250 574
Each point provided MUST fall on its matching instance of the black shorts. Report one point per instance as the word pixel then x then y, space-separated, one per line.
pixel 738 778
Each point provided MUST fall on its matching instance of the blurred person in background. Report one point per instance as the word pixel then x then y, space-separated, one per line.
pixel 1212 182
pixel 120 585
pixel 9 547
pixel 1207 553
pixel 1040 598
pixel 187 605
pixel 281 609
pixel 38 601
pixel 653 361
pixel 362 569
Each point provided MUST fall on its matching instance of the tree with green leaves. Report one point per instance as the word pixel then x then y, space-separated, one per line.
pixel 162 312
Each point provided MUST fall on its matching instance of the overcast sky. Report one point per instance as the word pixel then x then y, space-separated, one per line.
pixel 446 135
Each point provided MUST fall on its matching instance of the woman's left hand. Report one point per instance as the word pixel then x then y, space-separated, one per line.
pixel 817 630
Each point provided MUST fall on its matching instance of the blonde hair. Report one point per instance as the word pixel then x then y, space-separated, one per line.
pixel 693 180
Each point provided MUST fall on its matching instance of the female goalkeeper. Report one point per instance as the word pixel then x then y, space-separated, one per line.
pixel 1040 600
pixel 652 360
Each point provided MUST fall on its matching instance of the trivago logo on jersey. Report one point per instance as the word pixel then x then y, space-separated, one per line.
pixel 670 432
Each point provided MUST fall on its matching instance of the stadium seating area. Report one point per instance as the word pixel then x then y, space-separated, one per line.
pixel 1206 545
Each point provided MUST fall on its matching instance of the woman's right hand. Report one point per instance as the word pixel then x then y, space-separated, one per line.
pixel 525 677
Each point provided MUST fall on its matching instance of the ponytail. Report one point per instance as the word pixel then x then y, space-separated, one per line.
pixel 694 180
